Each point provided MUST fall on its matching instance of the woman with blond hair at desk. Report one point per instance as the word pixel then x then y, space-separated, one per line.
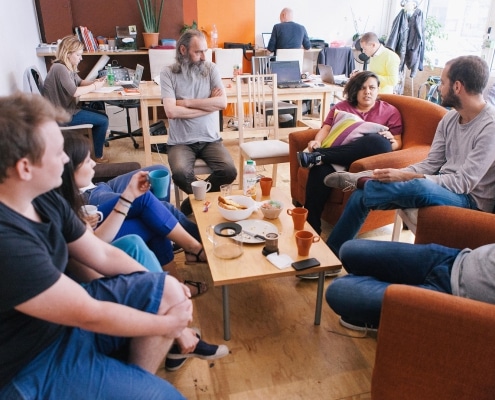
pixel 63 86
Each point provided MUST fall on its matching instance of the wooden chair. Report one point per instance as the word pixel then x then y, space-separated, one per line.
pixel 252 123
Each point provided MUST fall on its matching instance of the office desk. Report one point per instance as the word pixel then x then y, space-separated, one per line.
pixel 150 96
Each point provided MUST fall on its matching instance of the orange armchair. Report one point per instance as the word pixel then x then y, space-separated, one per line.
pixel 432 345
pixel 420 119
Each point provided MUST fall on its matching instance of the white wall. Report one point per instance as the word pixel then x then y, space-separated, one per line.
pixel 20 37
pixel 329 19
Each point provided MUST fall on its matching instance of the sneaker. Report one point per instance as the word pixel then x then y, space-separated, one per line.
pixel 314 275
pixel 203 350
pixel 347 181
pixel 185 207
pixel 359 327
pixel 308 160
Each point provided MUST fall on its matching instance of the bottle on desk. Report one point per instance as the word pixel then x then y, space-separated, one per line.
pixel 214 37
pixel 249 179
pixel 110 76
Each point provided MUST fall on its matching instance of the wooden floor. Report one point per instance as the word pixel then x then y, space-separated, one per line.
pixel 276 352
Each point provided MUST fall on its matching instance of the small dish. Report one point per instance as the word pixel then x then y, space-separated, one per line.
pixel 271 209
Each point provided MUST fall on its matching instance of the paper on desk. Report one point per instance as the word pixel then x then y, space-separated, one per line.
pixel 281 261
pixel 108 89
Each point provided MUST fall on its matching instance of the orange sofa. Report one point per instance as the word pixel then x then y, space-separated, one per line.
pixel 420 119
pixel 434 346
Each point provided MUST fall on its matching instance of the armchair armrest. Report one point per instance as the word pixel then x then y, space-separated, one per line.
pixel 298 141
pixel 433 346
pixel 393 159
pixel 472 228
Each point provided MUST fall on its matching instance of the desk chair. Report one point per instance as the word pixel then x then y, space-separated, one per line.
pixel 125 105
pixel 253 125
pixel 291 55
pixel 226 59
pixel 341 59
pixel 33 83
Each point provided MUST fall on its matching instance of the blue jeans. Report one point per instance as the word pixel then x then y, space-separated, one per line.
pixel 100 126
pixel 375 265
pixel 79 365
pixel 181 159
pixel 135 247
pixel 376 195
pixel 148 217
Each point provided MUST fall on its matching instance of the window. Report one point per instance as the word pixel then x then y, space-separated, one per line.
pixel 465 24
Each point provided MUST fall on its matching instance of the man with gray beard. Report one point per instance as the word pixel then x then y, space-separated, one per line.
pixel 193 93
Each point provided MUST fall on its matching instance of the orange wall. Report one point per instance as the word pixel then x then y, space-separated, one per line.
pixel 234 21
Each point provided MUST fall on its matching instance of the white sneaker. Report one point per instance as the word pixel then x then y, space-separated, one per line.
pixel 358 328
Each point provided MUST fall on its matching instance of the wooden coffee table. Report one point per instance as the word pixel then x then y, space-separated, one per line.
pixel 252 265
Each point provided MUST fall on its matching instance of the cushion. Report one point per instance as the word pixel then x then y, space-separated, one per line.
pixel 348 127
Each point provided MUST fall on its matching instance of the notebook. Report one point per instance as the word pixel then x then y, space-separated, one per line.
pixel 288 74
pixel 327 76
pixel 138 74
pixel 266 39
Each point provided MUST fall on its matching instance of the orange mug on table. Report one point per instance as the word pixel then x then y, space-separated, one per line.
pixel 304 240
pixel 299 216
pixel 266 186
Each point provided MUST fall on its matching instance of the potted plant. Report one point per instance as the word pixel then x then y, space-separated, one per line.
pixel 151 14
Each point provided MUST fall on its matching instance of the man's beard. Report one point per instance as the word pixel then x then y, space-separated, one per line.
pixel 451 100
pixel 191 69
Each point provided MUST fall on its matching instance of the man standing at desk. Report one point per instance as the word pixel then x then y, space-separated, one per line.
pixel 288 34
pixel 193 93
pixel 383 62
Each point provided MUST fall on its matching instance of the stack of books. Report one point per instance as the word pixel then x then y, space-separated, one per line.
pixel 86 37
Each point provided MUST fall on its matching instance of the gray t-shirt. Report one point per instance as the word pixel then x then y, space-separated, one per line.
pixel 473 274
pixel 184 86
pixel 462 157
pixel 60 86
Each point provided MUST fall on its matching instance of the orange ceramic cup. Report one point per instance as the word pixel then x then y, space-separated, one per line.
pixel 266 186
pixel 304 240
pixel 299 216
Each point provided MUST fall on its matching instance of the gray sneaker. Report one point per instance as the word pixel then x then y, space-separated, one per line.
pixel 347 181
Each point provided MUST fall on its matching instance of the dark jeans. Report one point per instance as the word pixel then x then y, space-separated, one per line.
pixel 316 192
pixel 373 266
pixel 181 159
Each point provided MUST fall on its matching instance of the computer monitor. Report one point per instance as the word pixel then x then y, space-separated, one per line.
pixel 266 39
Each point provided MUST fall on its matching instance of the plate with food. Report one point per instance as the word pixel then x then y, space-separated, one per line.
pixel 255 230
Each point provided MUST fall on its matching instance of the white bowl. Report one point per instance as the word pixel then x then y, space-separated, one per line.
pixel 271 209
pixel 238 215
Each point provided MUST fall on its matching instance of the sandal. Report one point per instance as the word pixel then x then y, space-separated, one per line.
pixel 201 287
pixel 197 259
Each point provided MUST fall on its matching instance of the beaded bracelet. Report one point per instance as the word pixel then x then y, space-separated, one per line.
pixel 120 212
pixel 124 199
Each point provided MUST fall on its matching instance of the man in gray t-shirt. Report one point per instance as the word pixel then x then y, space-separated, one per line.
pixel 193 94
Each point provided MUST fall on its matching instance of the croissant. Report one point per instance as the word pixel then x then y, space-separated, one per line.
pixel 229 204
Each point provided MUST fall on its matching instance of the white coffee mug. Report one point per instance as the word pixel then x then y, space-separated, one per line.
pixel 89 209
pixel 200 188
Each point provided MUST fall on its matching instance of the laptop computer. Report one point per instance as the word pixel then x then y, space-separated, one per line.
pixel 138 74
pixel 327 76
pixel 266 39
pixel 288 74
